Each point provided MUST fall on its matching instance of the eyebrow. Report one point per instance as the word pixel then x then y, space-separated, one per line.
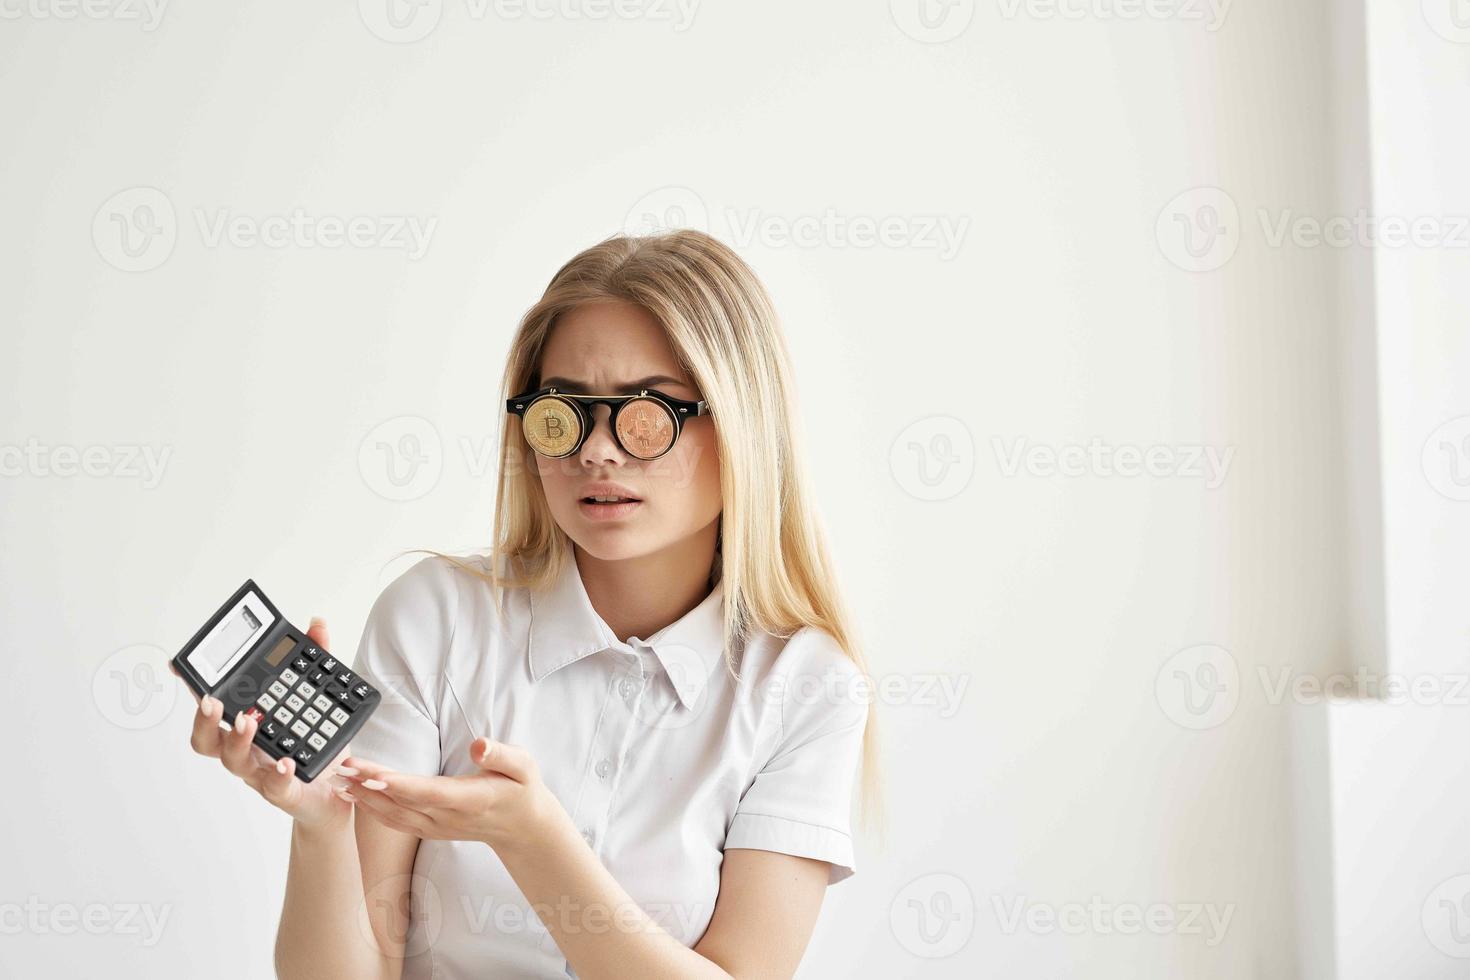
pixel 569 384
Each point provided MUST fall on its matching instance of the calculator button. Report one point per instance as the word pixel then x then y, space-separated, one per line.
pixel 329 663
pixel 322 703
pixel 283 716
pixel 311 651
pixel 340 716
pixel 317 676
pixel 361 691
pixel 278 689
pixel 266 702
pixel 315 740
pixel 287 743
pixel 304 756
pixel 294 703
pixel 345 678
pixel 301 665
pixel 289 677
pixel 311 716
pixel 343 696
pixel 300 727
pixel 269 731
pixel 306 690
pixel 327 728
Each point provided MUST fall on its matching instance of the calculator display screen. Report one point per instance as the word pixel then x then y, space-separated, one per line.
pixel 232 637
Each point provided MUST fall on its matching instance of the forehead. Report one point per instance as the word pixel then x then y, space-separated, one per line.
pixel 608 342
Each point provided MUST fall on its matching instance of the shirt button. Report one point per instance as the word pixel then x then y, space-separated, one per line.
pixel 603 768
pixel 627 689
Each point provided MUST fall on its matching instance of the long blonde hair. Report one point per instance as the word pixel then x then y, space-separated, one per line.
pixel 776 567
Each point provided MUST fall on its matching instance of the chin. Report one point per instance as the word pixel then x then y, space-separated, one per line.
pixel 611 543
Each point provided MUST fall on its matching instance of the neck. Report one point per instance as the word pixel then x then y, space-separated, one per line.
pixel 640 596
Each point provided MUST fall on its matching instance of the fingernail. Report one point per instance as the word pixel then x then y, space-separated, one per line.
pixel 374 784
pixel 347 771
pixel 239 721
pixel 346 795
pixel 207 703
pixel 281 766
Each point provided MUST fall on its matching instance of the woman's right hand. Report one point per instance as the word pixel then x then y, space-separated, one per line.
pixel 311 804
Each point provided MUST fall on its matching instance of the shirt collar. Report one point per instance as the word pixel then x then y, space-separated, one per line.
pixel 565 628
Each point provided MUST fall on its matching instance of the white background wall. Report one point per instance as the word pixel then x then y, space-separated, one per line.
pixel 1084 759
pixel 1401 861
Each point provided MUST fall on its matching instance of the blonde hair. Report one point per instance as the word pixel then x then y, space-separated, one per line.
pixel 776 568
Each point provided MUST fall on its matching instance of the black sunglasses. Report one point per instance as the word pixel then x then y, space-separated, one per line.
pixel 646 425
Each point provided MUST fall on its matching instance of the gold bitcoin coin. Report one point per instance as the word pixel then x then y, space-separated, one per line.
pixel 552 426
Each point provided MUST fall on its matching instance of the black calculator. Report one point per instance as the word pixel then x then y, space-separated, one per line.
pixel 308 704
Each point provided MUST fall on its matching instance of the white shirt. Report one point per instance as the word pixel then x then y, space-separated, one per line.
pixel 659 755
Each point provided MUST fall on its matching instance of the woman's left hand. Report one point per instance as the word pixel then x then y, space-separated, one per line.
pixel 504 804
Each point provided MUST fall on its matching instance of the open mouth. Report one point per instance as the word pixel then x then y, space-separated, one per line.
pixel 608 508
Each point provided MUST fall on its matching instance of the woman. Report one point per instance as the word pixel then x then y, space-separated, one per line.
pixel 623 743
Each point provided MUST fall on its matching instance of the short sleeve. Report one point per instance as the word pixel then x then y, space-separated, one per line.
pixel 800 802
pixel 404 647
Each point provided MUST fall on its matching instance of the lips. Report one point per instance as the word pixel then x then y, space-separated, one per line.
pixel 609 512
pixel 610 493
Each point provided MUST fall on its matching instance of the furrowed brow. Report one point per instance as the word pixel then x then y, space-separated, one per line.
pixel 580 387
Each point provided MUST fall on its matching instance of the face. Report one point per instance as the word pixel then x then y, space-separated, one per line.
pixel 607 348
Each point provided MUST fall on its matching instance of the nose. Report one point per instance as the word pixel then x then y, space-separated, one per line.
pixel 601 445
